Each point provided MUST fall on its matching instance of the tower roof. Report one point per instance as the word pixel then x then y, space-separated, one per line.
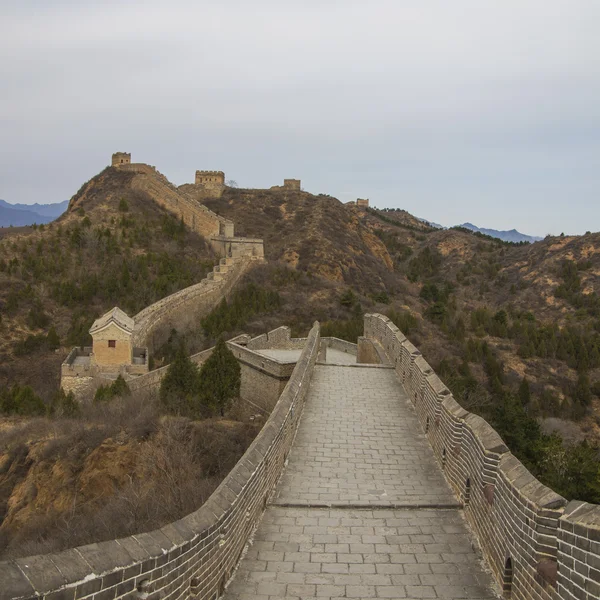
pixel 116 316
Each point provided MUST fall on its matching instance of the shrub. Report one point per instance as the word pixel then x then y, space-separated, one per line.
pixel 403 320
pixel 118 388
pixel 21 400
pixel 63 405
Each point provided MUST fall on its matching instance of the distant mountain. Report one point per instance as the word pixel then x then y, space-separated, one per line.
pixel 18 215
pixel 508 236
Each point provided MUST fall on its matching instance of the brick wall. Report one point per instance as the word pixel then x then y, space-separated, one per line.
pixel 263 378
pixel 185 306
pixel 537 547
pixel 194 556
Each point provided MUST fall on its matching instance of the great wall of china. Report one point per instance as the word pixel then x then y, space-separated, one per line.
pixel 537 545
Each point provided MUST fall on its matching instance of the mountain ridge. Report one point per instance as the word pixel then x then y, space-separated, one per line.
pixel 511 235
pixel 19 215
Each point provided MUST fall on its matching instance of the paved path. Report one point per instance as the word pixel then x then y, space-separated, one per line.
pixel 333 356
pixel 362 510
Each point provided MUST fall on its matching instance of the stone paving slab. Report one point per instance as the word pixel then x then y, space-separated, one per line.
pixel 359 443
pixel 379 553
pixel 359 448
pixel 332 356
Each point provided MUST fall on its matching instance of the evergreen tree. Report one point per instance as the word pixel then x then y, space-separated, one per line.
pixel 52 339
pixel 220 378
pixel 524 392
pixel 63 405
pixel 582 393
pixel 179 390
pixel 21 400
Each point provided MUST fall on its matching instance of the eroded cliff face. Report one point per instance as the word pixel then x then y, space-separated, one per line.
pixel 71 482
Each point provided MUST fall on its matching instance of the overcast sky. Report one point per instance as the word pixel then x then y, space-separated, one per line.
pixel 465 110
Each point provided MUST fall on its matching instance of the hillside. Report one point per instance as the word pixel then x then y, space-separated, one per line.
pixel 114 246
pixel 513 330
pixel 313 234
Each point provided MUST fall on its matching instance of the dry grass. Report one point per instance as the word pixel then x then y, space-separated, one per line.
pixel 120 469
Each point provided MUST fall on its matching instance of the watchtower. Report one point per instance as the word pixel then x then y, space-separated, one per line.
pixel 121 158
pixel 362 203
pixel 210 179
pixel 292 184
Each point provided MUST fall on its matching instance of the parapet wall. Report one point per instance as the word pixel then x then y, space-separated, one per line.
pixel 192 557
pixel 195 215
pixel 185 203
pixel 263 379
pixel 538 547
pixel 188 304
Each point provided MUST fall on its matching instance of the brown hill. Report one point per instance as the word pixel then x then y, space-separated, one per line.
pixel 114 246
pixel 315 234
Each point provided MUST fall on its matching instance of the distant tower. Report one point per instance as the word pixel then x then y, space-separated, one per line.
pixel 292 184
pixel 362 203
pixel 121 158
pixel 210 179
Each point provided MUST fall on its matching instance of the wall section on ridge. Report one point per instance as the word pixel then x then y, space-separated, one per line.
pixel 194 556
pixel 537 549
pixel 187 305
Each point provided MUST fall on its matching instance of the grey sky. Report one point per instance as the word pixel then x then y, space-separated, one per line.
pixel 478 110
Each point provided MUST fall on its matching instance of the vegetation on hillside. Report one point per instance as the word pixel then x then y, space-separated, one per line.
pixel 117 248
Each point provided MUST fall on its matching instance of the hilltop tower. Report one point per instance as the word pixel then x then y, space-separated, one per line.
pixel 210 184
pixel 210 179
pixel 292 184
pixel 121 158
pixel 362 203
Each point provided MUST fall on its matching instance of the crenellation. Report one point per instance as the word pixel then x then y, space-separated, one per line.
pixel 526 533
pixel 121 158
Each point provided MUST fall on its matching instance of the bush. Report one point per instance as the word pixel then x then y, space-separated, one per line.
pixel 403 320
pixel 117 389
pixel 21 400
pixel 63 405
pixel 349 329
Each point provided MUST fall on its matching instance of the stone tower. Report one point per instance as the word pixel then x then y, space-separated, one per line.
pixel 121 158
pixel 210 179
pixel 292 184
pixel 210 184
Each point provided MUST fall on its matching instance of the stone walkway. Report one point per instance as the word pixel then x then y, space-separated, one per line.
pixel 362 510
pixel 333 356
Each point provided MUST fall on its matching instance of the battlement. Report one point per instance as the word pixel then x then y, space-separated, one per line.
pixel 292 184
pixel 210 178
pixel 121 158
pixel 362 203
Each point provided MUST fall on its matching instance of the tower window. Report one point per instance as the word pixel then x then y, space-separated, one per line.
pixel 112 343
